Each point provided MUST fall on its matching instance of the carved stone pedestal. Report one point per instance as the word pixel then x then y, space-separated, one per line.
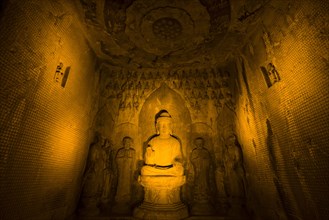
pixel 162 198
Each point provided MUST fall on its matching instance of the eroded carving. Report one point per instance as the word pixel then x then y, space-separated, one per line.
pixel 90 9
pixel 271 75
pixel 128 89
pixel 126 164
pixel 201 161
pixel 108 172
pixel 234 175
pixel 93 180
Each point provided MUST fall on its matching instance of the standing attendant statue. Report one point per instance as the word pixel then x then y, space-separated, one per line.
pixel 92 185
pixel 125 162
pixel 108 173
pixel 235 175
pixel 201 161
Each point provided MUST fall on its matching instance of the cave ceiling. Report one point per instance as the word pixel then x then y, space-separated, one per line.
pixel 166 33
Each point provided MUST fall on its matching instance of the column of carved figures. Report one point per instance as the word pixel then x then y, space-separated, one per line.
pixel 125 165
pixel 234 176
pixel 93 179
pixel 201 161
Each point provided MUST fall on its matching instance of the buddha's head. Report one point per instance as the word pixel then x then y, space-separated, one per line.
pixel 107 144
pixel 163 123
pixel 127 142
pixel 199 142
pixel 231 140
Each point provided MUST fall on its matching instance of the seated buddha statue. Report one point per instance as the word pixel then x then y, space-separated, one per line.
pixel 163 156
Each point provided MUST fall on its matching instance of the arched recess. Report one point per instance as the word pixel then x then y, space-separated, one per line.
pixel 166 98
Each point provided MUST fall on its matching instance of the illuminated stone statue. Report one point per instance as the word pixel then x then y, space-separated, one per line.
pixel 125 162
pixel 162 175
pixel 163 154
pixel 93 178
pixel 201 161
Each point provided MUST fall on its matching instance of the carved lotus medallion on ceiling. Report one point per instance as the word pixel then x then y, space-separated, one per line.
pixel 158 33
pixel 164 26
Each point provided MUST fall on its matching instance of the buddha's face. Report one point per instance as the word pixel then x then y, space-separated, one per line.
pixel 231 141
pixel 164 128
pixel 127 143
pixel 199 143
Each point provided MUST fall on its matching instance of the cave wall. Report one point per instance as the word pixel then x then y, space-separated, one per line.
pixel 48 86
pixel 282 111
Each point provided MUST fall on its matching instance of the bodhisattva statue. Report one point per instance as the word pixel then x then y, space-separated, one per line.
pixel 201 161
pixel 108 172
pixel 219 175
pixel 221 193
pixel 92 185
pixel 235 175
pixel 162 175
pixel 126 164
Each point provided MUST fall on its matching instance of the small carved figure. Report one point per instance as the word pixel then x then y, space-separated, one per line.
pixel 197 106
pixel 90 8
pixel 273 73
pixel 187 85
pixel 119 21
pixel 209 85
pixel 213 95
pixel 216 84
pixel 270 74
pixel 206 96
pixel 143 76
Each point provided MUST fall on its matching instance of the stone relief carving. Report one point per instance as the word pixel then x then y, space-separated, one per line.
pixel 108 172
pixel 234 168
pixel 94 190
pixel 219 15
pixel 219 175
pixel 202 164
pixel 125 160
pixel 90 9
pixel 129 89
pixel 234 175
pixel 115 15
pixel 271 75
